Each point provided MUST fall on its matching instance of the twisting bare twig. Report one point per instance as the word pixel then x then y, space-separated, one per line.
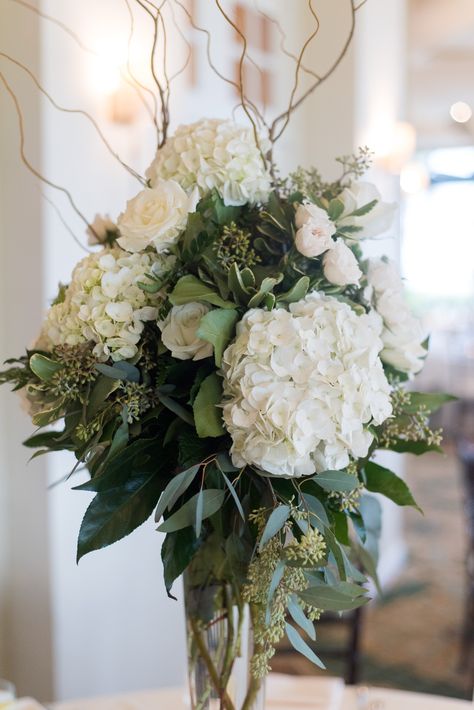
pixel 76 111
pixel 153 113
pixel 27 163
pixel 212 64
pixel 64 223
pixel 178 29
pixel 274 133
pixel 243 54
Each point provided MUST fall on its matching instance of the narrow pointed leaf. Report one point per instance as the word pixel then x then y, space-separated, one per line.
pixel 300 618
pixel 175 489
pixel 275 522
pixel 212 500
pixel 302 647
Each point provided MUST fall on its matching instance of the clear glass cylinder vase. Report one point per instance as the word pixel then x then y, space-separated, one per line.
pixel 220 649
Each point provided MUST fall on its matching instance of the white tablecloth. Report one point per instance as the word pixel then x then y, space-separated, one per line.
pixel 285 693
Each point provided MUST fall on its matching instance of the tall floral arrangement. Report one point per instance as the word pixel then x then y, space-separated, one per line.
pixel 228 360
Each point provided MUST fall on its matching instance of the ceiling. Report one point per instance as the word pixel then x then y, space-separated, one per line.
pixel 440 69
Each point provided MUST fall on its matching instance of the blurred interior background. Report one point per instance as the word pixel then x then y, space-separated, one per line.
pixel 405 89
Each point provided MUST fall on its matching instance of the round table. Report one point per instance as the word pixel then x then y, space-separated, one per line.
pixel 285 693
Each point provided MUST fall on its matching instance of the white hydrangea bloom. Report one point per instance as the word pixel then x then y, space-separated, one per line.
pixel 403 333
pixel 213 153
pixel 300 386
pixel 105 305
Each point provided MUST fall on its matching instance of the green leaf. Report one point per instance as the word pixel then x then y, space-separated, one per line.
pixel 382 480
pixel 199 513
pixel 175 489
pixel 116 513
pixel 113 372
pixel 176 408
pixel 336 551
pixel 132 373
pixel 336 481
pixel 234 495
pixel 365 209
pixel 207 415
pixel 240 283
pixel 296 292
pixel 189 288
pixel 121 436
pixel 318 515
pixel 302 647
pixel 103 387
pixel 329 598
pixel 277 576
pixel 431 401
pixel 275 522
pixel 217 327
pixel 414 447
pixel 212 500
pixel 44 367
pixel 300 618
pixel 335 209
pixel 177 551
pixel 266 287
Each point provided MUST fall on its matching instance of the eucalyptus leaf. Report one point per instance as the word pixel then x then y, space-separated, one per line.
pixel 175 489
pixel 275 522
pixel 234 495
pixel 212 499
pixel 176 408
pixel 302 647
pixel 340 481
pixel 430 401
pixel 300 618
pixel 330 598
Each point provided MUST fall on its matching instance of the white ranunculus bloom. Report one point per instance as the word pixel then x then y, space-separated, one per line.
pixel 155 217
pixel 315 230
pixel 340 265
pixel 99 230
pixel 213 153
pixel 373 223
pixel 302 386
pixel 104 304
pixel 403 334
pixel 178 332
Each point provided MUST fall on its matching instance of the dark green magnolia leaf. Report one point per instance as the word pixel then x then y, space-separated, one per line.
pixel 143 457
pixel 189 288
pixel 296 292
pixel 217 327
pixel 212 500
pixel 175 489
pixel 46 438
pixel 382 480
pixel 44 367
pixel 207 413
pixel 177 552
pixel 431 401
pixel 336 481
pixel 116 513
pixel 275 522
pixel 414 447
pixel 300 618
pixel 329 598
pixel 302 647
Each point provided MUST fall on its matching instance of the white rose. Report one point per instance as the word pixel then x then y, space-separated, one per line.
pixel 99 230
pixel 156 216
pixel 375 222
pixel 340 265
pixel 178 332
pixel 315 230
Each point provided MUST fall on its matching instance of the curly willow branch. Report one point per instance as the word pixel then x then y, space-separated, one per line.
pixel 75 111
pixel 243 99
pixel 27 163
pixel 211 63
pixel 64 223
pixel 188 47
pixel 128 79
pixel 274 133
